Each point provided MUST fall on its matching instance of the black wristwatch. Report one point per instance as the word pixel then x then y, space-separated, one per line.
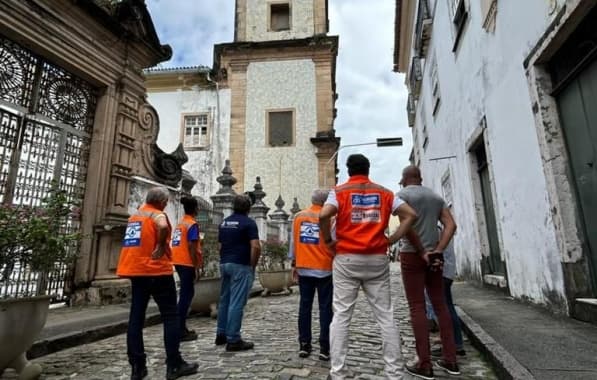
pixel 328 240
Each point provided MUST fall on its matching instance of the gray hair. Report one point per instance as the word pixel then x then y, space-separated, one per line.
pixel 157 195
pixel 319 196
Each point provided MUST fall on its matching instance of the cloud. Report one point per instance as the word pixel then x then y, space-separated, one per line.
pixel 372 99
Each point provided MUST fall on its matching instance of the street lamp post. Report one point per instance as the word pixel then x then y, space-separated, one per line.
pixel 380 142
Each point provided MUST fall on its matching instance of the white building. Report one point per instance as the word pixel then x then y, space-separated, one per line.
pixel 267 104
pixel 503 110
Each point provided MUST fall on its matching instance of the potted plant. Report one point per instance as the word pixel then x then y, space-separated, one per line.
pixel 207 288
pixel 274 267
pixel 32 238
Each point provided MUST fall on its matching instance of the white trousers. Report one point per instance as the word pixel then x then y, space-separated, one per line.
pixel 372 272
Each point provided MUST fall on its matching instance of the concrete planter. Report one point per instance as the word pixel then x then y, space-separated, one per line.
pixel 275 281
pixel 21 321
pixel 207 295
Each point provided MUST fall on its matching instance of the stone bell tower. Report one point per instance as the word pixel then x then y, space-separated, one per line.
pixel 281 72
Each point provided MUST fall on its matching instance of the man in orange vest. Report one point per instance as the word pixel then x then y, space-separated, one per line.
pixel 312 268
pixel 145 260
pixel 362 210
pixel 188 260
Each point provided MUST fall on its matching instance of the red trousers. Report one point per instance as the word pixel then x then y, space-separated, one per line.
pixel 416 277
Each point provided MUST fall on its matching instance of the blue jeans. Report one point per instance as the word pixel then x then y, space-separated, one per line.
pixel 307 287
pixel 163 290
pixel 187 292
pixel 237 280
pixel 453 314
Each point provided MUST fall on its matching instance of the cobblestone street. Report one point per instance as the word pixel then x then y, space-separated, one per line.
pixel 269 322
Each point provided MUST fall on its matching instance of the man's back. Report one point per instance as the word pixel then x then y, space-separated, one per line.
pixel 235 235
pixel 428 206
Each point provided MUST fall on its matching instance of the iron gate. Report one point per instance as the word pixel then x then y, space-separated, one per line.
pixel 46 120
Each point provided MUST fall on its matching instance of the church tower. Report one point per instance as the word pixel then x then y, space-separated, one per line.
pixel 280 70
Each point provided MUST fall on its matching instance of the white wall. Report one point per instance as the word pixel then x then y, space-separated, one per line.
pixel 486 77
pixel 276 85
pixel 204 165
pixel 302 24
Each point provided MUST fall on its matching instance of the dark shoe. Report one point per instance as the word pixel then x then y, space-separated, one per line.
pixel 422 373
pixel 241 345
pixel 437 352
pixel 324 355
pixel 221 339
pixel 451 368
pixel 432 325
pixel 183 369
pixel 305 350
pixel 139 372
pixel 188 336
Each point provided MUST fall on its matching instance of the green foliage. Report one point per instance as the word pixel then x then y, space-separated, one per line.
pixel 211 255
pixel 37 236
pixel 274 255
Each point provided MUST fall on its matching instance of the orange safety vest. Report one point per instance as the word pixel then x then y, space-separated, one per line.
pixel 180 244
pixel 364 209
pixel 309 249
pixel 140 240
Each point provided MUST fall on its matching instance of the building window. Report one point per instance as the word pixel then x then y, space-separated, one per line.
pixel 447 189
pixel 195 131
pixel 435 93
pixel 280 128
pixel 459 16
pixel 425 137
pixel 279 17
pixel 489 13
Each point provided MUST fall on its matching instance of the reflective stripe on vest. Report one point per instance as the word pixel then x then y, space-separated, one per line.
pixel 139 243
pixel 309 249
pixel 363 213
pixel 180 243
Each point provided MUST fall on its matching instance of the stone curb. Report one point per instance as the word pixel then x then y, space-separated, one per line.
pixel 505 365
pixel 76 338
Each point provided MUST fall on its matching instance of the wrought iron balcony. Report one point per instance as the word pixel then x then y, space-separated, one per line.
pixel 415 77
pixel 411 110
pixel 423 28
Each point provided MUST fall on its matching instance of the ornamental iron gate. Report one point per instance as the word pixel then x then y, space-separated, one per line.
pixel 46 122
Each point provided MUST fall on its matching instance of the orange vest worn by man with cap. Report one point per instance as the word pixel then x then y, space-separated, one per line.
pixel 140 241
pixel 310 251
pixel 363 214
pixel 180 244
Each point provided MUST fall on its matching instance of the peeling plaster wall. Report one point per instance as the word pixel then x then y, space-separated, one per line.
pixel 277 85
pixel 302 23
pixel 204 165
pixel 486 77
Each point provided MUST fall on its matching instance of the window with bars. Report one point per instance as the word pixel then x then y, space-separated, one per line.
pixel 280 128
pixel 196 131
pixel 459 15
pixel 435 93
pixel 447 189
pixel 279 17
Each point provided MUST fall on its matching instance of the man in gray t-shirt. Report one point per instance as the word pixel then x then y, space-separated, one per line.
pixel 418 273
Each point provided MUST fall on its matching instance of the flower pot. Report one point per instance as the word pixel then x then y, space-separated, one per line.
pixel 207 295
pixel 275 281
pixel 21 321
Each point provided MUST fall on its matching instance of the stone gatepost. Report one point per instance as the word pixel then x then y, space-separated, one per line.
pixel 281 218
pixel 222 200
pixel 259 210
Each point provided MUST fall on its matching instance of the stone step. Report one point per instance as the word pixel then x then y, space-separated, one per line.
pixel 585 309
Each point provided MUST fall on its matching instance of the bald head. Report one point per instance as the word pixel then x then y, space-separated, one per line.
pixel 411 175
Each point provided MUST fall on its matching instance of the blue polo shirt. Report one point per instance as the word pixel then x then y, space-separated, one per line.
pixel 235 235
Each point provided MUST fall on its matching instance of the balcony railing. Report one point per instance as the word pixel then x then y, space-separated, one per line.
pixel 411 110
pixel 423 28
pixel 415 77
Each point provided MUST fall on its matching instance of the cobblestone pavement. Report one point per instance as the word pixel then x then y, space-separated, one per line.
pixel 271 323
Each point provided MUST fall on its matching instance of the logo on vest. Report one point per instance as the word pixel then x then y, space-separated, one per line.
pixel 309 233
pixel 365 200
pixel 176 237
pixel 365 216
pixel 132 236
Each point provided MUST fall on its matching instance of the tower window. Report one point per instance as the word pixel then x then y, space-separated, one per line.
pixel 280 128
pixel 279 17
pixel 195 131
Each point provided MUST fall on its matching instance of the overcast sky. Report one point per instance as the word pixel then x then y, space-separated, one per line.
pixel 372 98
